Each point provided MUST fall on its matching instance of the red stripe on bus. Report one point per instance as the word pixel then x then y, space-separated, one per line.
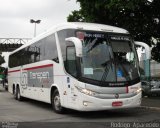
pixel 43 66
pixel 32 68
pixel 13 71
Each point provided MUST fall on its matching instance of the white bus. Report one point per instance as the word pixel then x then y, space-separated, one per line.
pixel 81 66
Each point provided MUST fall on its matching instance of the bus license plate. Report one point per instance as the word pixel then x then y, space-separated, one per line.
pixel 117 103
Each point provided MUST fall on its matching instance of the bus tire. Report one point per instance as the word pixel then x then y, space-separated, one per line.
pixel 56 103
pixel 6 88
pixel 18 95
pixel 14 91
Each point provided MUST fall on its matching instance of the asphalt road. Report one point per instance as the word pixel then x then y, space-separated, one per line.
pixel 38 114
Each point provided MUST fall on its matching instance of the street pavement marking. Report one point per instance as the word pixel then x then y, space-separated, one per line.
pixel 155 108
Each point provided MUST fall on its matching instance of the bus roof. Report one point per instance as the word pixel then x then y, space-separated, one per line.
pixel 91 26
pixel 75 25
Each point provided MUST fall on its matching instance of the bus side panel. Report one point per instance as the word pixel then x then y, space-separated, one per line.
pixel 39 78
pixel 59 77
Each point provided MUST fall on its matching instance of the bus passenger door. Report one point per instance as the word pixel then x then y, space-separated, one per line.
pixel 72 70
pixel 24 78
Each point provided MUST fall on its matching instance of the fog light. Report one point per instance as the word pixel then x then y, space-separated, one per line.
pixel 85 103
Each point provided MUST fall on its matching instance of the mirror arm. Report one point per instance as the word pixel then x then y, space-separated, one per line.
pixel 78 45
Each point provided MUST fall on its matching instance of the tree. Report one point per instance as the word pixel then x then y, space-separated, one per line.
pixel 1 59
pixel 75 16
pixel 139 17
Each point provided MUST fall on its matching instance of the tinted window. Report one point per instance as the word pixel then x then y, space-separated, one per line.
pixel 51 48
pixel 40 46
pixel 44 49
pixel 62 35
pixel 71 61
pixel 12 61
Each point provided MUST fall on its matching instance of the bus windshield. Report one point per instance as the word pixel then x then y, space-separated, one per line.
pixel 108 58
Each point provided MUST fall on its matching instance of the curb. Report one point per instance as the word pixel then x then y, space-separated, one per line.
pixel 153 108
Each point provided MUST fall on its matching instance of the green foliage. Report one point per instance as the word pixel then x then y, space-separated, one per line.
pixel 156 52
pixel 75 16
pixel 140 17
pixel 1 69
pixel 1 59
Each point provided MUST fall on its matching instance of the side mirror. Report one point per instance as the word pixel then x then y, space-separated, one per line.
pixel 147 49
pixel 78 45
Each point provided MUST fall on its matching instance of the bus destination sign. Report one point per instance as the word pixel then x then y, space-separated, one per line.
pixel 119 38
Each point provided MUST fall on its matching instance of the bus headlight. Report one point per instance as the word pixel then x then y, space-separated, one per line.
pixel 138 90
pixel 86 91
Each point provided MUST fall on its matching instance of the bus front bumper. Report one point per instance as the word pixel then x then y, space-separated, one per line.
pixel 89 103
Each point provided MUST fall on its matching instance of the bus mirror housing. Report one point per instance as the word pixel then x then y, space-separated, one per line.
pixel 78 45
pixel 147 49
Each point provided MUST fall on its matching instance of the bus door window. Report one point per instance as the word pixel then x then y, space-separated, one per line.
pixel 71 60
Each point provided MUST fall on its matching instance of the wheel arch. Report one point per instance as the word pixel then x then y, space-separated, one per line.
pixel 53 88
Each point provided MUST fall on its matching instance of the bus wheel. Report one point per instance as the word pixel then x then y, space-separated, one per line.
pixel 18 95
pixel 6 88
pixel 14 93
pixel 56 103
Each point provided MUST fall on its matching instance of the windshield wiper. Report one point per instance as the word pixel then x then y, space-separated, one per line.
pixel 108 65
pixel 93 45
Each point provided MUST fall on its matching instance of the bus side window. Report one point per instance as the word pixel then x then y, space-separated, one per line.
pixel 51 52
pixel 71 61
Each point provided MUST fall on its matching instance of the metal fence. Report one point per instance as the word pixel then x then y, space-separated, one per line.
pixel 10 44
